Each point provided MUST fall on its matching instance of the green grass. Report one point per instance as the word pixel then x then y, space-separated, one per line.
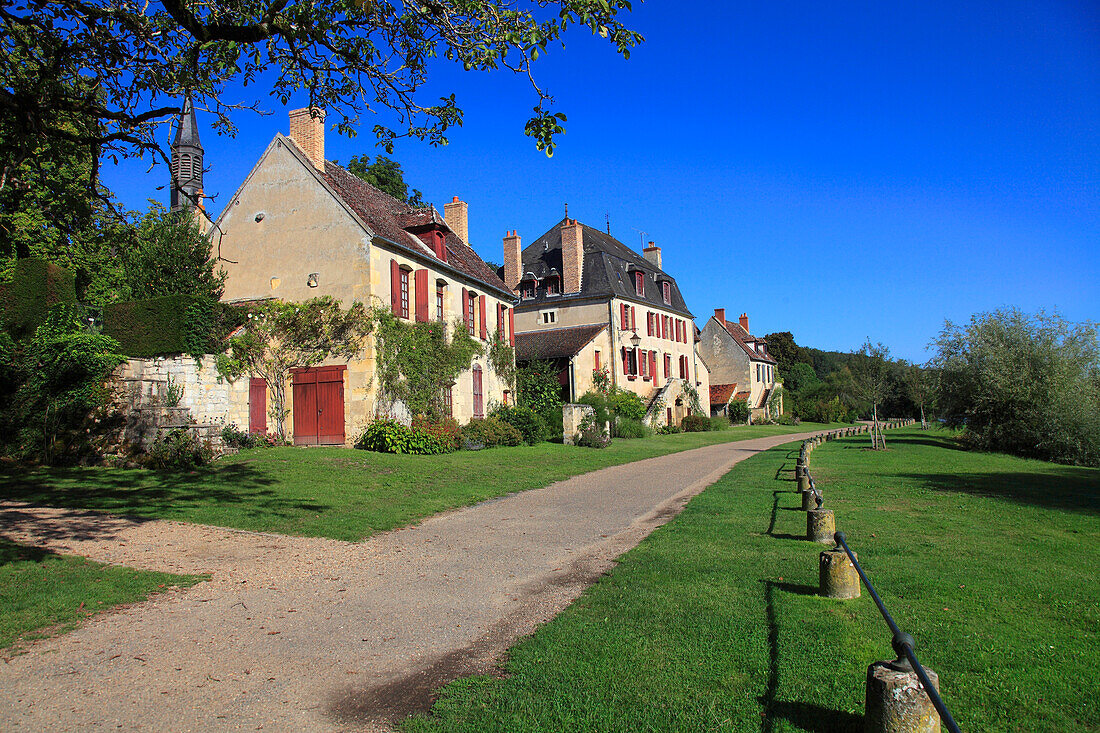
pixel 711 623
pixel 43 593
pixel 339 493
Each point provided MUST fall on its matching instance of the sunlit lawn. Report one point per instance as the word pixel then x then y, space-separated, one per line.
pixel 335 492
pixel 712 623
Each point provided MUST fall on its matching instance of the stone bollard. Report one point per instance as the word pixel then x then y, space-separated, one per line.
pixel 809 499
pixel 804 482
pixel 837 575
pixel 896 703
pixel 820 525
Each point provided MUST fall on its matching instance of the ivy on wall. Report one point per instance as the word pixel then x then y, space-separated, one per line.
pixel 418 361
pixel 502 358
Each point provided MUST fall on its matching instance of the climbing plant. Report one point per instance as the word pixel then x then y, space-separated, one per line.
pixel 692 396
pixel 418 361
pixel 502 358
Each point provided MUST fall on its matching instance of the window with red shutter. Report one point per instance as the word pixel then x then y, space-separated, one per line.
pixel 645 365
pixel 668 366
pixel 639 283
pixel 666 292
pixel 471 313
pixel 404 275
pixel 500 321
pixel 421 283
pixel 511 326
pixel 633 324
pixel 596 360
pixel 649 323
pixel 395 288
pixel 439 291
pixel 484 325
pixel 653 365
pixel 625 316
pixel 479 398
pixel 464 307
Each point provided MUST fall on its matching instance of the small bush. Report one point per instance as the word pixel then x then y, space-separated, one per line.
pixel 446 431
pixel 592 434
pixel 234 437
pixel 627 404
pixel 669 430
pixel 525 420
pixel 554 423
pixel 787 420
pixel 489 433
pixel 178 449
pixel 624 428
pixel 719 423
pixel 695 424
pixel 389 436
pixel 738 412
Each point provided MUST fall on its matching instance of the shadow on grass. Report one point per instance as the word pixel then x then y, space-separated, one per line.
pixel 1055 487
pixel 805 715
pixel 142 493
pixel 11 552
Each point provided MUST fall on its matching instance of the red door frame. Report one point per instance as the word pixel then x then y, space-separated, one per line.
pixel 318 405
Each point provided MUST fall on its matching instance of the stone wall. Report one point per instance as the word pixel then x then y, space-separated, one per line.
pixel 206 401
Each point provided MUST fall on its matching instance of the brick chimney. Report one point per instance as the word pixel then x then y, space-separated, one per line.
pixel 456 214
pixel 744 320
pixel 572 255
pixel 308 133
pixel 720 316
pixel 653 254
pixel 513 260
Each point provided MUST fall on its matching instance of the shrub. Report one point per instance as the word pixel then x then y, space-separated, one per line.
pixel 695 424
pixel 786 419
pixel 738 412
pixel 525 420
pixel 599 404
pixel 624 403
pixel 489 432
pixel 624 428
pixel 554 423
pixel 36 287
pixel 446 431
pixel 234 437
pixel 719 423
pixel 169 324
pixel 389 436
pixel 670 429
pixel 178 449
pixel 592 434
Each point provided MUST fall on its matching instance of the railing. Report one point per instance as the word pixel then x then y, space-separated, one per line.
pixel 904 644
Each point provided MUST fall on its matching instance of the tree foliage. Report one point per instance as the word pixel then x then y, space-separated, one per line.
pixel 1023 384
pixel 786 352
pixel 386 175
pixel 169 255
pixel 870 381
pixel 105 74
pixel 281 336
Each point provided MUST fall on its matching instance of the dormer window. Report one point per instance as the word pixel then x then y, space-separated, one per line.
pixel 666 292
pixel 639 283
pixel 527 289
pixel 553 285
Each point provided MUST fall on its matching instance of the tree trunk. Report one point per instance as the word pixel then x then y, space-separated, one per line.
pixel 923 422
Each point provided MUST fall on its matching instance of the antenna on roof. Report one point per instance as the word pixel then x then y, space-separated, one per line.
pixel 641 237
pixel 607 215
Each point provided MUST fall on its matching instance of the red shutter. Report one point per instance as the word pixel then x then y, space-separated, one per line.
pixel 626 362
pixel 649 323
pixel 511 326
pixel 465 309
pixel 422 296
pixel 653 366
pixel 395 288
pixel 500 321
pixel 484 325
pixel 625 317
pixel 633 323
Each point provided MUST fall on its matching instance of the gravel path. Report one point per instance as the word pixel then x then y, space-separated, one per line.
pixel 307 634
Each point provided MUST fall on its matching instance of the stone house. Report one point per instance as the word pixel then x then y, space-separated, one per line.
pixel 300 227
pixel 588 302
pixel 740 367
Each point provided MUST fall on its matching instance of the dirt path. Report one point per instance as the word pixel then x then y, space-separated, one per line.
pixel 305 634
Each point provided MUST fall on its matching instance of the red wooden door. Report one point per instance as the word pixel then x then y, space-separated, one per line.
pixel 319 406
pixel 257 405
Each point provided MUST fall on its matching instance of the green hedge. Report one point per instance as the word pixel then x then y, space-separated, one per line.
pixel 36 286
pixel 169 325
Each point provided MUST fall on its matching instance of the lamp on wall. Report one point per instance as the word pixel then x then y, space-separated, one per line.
pixel 635 340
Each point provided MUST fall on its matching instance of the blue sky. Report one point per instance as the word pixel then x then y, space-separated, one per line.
pixel 840 171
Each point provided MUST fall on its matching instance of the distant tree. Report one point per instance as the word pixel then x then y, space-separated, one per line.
pixel 918 382
pixel 386 175
pixel 1023 384
pixel 786 352
pixel 280 336
pixel 169 254
pixel 870 381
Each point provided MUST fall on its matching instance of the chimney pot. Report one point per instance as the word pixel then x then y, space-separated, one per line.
pixel 745 322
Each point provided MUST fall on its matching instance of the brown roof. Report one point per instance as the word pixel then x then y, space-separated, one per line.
pixel 555 342
pixel 740 335
pixel 720 393
pixel 744 396
pixel 390 219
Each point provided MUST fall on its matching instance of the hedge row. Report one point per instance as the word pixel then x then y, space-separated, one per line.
pixel 169 324
pixel 36 286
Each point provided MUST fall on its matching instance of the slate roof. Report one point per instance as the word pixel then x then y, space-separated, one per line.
pixel 607 271
pixel 720 393
pixel 555 342
pixel 390 219
pixel 740 335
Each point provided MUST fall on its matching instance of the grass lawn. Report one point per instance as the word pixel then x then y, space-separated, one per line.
pixel 712 623
pixel 335 492
pixel 43 593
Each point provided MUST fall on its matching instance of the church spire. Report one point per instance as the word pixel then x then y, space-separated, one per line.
pixel 187 153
